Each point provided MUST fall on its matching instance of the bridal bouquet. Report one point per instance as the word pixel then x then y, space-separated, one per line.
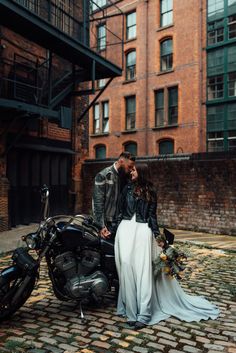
pixel 170 261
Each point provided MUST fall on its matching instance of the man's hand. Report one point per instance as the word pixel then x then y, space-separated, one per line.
pixel 104 233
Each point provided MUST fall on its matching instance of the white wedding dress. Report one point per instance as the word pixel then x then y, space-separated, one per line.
pixel 141 298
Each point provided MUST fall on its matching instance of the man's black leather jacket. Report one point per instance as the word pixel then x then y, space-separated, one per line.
pixel 145 211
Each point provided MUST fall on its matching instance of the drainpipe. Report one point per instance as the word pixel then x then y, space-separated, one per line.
pixel 200 128
pixel 146 83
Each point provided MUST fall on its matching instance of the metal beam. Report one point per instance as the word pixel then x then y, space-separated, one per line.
pixel 38 30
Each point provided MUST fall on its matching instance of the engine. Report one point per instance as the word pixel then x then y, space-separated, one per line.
pixel 82 280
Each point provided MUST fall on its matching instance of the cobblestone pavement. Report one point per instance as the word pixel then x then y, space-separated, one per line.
pixel 45 324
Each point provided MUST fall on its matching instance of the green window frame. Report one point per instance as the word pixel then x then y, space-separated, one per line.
pixel 130 116
pixel 101 37
pixel 166 55
pixel 131 25
pixel 96 119
pixel 172 105
pixel 105 116
pixel 159 108
pixel 100 151
pixel 131 147
pixel 166 147
pixel 166 12
pixel 131 65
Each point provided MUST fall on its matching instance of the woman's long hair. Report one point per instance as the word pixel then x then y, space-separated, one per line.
pixel 144 187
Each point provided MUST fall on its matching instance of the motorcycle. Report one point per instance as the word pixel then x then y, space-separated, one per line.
pixel 81 264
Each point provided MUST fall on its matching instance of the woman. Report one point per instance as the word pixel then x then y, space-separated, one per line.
pixel 143 300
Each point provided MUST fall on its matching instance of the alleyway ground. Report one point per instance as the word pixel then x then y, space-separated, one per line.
pixel 47 325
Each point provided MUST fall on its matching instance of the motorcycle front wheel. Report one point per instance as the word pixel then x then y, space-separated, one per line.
pixel 8 288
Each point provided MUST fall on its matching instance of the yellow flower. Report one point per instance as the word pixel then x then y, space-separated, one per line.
pixel 163 257
pixel 166 269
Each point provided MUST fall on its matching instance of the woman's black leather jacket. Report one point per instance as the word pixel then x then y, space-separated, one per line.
pixel 129 204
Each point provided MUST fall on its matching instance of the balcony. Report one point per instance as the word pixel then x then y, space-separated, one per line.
pixel 68 29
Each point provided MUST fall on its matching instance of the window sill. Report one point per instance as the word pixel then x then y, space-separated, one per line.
pixel 164 27
pixel 165 72
pixel 130 40
pixel 99 134
pixel 131 131
pixel 129 81
pixel 164 127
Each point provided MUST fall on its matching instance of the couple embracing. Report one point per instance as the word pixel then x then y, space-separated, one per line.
pixel 125 204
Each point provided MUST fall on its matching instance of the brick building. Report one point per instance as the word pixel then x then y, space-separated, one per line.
pixel 48 68
pixel 177 92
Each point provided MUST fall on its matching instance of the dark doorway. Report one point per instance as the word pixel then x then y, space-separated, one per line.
pixel 27 171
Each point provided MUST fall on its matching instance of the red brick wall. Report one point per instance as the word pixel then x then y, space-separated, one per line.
pixel 193 194
pixel 188 34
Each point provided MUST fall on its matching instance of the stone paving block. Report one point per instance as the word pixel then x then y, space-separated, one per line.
pixel 101 344
pixel 157 346
pixel 187 342
pixel 140 349
pixel 191 349
pixel 47 340
pixel 166 336
pixel 68 347
pixel 167 342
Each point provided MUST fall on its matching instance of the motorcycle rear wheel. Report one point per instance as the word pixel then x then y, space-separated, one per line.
pixel 8 289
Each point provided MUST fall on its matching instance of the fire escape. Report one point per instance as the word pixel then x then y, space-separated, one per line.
pixel 37 88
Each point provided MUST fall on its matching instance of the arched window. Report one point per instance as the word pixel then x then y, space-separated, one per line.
pixel 166 146
pixel 131 65
pixel 166 55
pixel 131 147
pixel 100 151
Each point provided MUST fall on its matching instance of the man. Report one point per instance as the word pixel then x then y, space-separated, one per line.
pixel 107 188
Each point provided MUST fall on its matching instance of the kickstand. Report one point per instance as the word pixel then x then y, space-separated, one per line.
pixel 81 313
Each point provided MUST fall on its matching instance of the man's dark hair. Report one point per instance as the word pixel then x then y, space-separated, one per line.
pixel 127 155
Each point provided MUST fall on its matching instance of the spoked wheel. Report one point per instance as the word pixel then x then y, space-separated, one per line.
pixel 8 288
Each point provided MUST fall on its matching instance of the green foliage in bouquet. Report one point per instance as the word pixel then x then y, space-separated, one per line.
pixel 171 261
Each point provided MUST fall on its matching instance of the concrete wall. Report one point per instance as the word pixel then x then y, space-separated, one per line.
pixel 196 193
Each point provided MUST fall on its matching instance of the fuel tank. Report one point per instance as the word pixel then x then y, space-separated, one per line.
pixel 75 236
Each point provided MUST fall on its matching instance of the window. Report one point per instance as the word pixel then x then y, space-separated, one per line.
pixel 232 140
pixel 215 87
pixel 232 84
pixel 173 105
pixel 101 83
pixel 215 9
pixel 32 5
pixel 166 147
pixel 221 127
pixel 130 112
pixel 232 26
pixel 105 117
pixel 131 25
pixel 97 4
pixel 103 125
pixel 101 37
pixel 215 141
pixel 62 15
pixel 159 108
pixel 215 62
pixel 166 12
pixel 131 65
pixel 96 123
pixel 100 152
pixel 166 55
pixel 215 32
pixel 166 107
pixel 131 147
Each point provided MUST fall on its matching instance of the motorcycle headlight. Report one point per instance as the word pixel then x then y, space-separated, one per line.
pixel 32 240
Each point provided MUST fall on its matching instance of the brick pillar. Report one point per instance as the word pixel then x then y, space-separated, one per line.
pixel 4 187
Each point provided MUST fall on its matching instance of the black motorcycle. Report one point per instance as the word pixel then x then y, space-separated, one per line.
pixel 81 265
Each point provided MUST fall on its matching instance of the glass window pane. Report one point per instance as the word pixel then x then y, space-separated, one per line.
pixel 215 9
pixel 131 147
pixel 215 118
pixel 131 25
pixel 166 147
pixel 231 55
pixel 100 152
pixel 215 62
